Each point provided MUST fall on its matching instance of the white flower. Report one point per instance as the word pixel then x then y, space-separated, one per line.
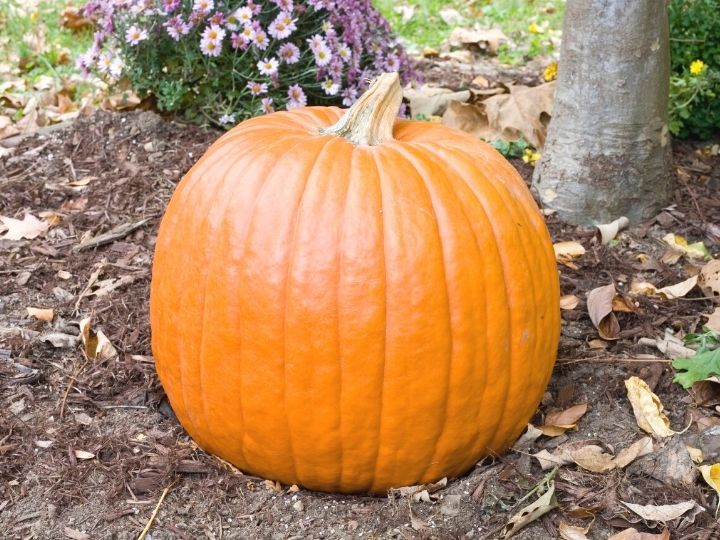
pixel 268 66
pixel 323 56
pixel 331 88
pixel 135 35
pixel 227 119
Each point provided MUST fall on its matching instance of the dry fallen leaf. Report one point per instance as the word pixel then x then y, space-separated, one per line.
pixel 430 101
pixel 662 513
pixel 96 346
pixel 633 534
pixel 694 251
pixel 83 454
pixel 29 227
pixel 489 39
pixel 74 534
pixel 523 112
pixel 713 320
pixel 531 512
pixel 569 301
pixel 647 408
pixel 709 279
pixel 42 314
pixel 670 292
pixel 711 474
pixel 567 252
pixel 558 422
pixel 571 532
pixel 599 306
pixel 592 457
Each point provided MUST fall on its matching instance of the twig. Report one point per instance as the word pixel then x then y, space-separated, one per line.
pixel 612 359
pixel 152 516
pixel 113 234
pixel 93 278
pixel 73 378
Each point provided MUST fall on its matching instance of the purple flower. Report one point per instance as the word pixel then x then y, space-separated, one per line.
pixel 267 106
pixel 289 53
pixel 261 40
pixel 168 6
pixel 296 97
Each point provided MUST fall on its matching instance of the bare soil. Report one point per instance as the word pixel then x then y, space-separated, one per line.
pixel 87 448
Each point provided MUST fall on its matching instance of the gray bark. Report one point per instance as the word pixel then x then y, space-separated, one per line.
pixel 607 152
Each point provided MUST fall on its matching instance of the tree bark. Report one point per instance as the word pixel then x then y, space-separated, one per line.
pixel 607 152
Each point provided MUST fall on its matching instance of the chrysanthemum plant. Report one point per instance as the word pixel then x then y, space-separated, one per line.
pixel 224 61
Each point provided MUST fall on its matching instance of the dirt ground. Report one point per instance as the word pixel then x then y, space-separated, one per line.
pixel 87 448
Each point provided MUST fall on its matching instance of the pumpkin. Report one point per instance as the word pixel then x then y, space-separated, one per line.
pixel 351 302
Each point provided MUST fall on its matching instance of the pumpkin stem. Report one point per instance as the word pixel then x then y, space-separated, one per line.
pixel 371 118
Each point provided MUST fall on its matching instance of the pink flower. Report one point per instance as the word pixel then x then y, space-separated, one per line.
pixel 268 66
pixel 135 35
pixel 349 96
pixel 217 18
pixel 210 47
pixel 296 97
pixel 116 67
pixel 238 41
pixel 289 53
pixel 279 30
pixel 323 56
pixel 243 15
pixel 266 106
pixel 104 62
pixel 248 34
pixel 285 5
pixel 257 88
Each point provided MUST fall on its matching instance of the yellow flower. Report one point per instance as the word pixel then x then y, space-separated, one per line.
pixel 534 29
pixel 550 73
pixel 698 67
pixel 530 156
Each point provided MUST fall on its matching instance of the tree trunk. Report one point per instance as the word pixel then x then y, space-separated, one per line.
pixel 607 152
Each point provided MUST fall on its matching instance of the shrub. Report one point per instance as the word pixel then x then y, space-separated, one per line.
pixel 695 79
pixel 224 61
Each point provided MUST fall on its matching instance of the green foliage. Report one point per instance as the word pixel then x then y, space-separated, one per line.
pixel 511 149
pixel 695 35
pixel 703 364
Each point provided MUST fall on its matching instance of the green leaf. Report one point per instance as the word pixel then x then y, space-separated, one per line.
pixel 705 363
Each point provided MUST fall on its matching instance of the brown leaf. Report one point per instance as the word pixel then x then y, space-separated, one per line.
pixel 524 112
pixel 557 422
pixel 431 101
pixel 662 513
pixel 571 532
pixel 72 19
pixel 42 314
pixel 621 303
pixel 713 321
pixel 599 305
pixel 531 512
pixel 709 279
pixel 569 301
pixel 488 39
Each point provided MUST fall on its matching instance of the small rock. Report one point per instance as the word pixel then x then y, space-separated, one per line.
pixel 298 506
pixel 83 419
pixel 62 294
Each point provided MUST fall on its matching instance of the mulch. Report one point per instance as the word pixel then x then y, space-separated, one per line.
pixel 87 446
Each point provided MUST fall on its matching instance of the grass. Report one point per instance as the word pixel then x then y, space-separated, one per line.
pixel 35 44
pixel 426 27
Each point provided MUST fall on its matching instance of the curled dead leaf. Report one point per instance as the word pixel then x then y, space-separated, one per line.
pixel 558 422
pixel 29 227
pixel 669 292
pixel 648 408
pixel 488 40
pixel 634 534
pixel 662 513
pixel 599 305
pixel 531 512
pixel 96 345
pixel 572 532
pixel 608 231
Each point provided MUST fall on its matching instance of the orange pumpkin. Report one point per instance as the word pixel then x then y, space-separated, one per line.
pixel 353 307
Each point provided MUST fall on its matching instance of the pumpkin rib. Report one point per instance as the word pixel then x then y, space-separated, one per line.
pixel 378 445
pixel 480 199
pixel 315 170
pixel 507 199
pixel 183 360
pixel 218 275
pixel 459 177
pixel 404 151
